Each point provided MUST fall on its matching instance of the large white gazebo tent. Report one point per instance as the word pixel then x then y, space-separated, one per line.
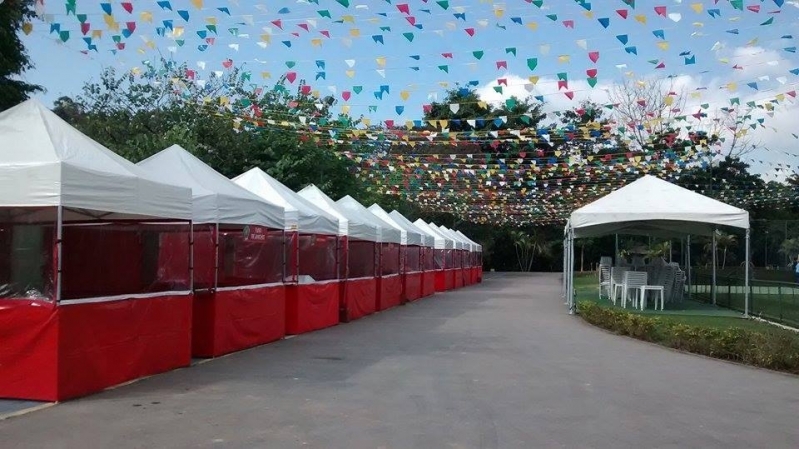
pixel 652 206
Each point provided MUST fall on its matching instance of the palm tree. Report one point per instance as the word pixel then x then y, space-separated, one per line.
pixel 527 246
pixel 724 242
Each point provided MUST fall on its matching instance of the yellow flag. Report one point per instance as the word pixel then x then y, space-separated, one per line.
pixel 640 18
pixel 381 61
pixel 534 79
pixel 350 73
pixel 146 16
pixel 110 22
pixel 404 95
pixel 316 42
pixel 197 3
pixel 348 19
pixel 663 45
pixel 697 7
pixel 27 27
pixel 355 32
pixel 564 59
pixel 532 25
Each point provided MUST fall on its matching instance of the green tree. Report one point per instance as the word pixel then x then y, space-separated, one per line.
pixel 226 121
pixel 724 242
pixel 14 60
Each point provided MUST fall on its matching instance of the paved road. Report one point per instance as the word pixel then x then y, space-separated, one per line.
pixel 499 365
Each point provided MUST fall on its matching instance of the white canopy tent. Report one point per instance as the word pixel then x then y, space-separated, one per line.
pixel 301 214
pixel 456 244
pixel 652 206
pixel 465 244
pixel 427 239
pixel 46 162
pixel 387 232
pixel 215 198
pixel 439 240
pixel 477 247
pixel 408 235
pixel 348 225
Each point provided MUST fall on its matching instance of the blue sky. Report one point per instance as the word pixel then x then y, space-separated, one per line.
pixel 728 45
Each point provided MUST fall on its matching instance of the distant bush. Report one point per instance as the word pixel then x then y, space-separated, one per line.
pixel 776 350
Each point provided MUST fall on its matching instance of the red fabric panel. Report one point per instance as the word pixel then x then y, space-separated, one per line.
pixel 389 259
pixel 292 250
pixel 317 255
pixel 449 279
pixel 389 290
pixel 107 343
pixel 249 317
pixel 89 250
pixel 311 306
pixel 413 286
pixel 412 259
pixel 362 257
pixel 480 274
pixel 232 320
pixel 203 319
pixel 439 259
pixel 428 283
pixel 28 350
pixel 250 255
pixel 441 280
pixel 204 256
pixel 359 297
pixel 458 272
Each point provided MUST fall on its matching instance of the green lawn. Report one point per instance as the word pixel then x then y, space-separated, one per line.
pixel 686 312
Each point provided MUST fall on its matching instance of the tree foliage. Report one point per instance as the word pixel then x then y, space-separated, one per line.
pixel 14 60
pixel 220 120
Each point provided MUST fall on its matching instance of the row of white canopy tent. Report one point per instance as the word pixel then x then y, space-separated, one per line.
pixel 654 207
pixel 129 231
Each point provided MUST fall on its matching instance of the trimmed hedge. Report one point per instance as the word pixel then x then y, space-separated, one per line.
pixel 776 350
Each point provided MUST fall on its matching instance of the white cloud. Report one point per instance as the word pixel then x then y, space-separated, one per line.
pixel 766 67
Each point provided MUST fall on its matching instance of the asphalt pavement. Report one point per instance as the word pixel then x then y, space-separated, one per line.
pixel 496 365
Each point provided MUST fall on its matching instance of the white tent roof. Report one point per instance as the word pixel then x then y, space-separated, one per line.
pixel 409 235
pixel 440 242
pixel 46 162
pixel 652 205
pixel 349 224
pixel 467 245
pixel 456 244
pixel 301 214
pixel 215 199
pixel 427 239
pixel 476 246
pixel 388 233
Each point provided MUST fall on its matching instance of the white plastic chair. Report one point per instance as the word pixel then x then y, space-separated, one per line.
pixel 604 280
pixel 616 281
pixel 633 280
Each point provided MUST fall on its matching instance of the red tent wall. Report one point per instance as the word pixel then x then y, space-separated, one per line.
pixel 389 284
pixel 312 306
pixel 246 305
pixel 457 264
pixel 54 352
pixel 429 275
pixel 441 272
pixel 359 290
pixel 413 274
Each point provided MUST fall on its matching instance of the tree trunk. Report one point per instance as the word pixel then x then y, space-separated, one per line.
pixel 724 259
pixel 582 253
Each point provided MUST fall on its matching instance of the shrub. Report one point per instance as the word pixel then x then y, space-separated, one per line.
pixel 772 349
